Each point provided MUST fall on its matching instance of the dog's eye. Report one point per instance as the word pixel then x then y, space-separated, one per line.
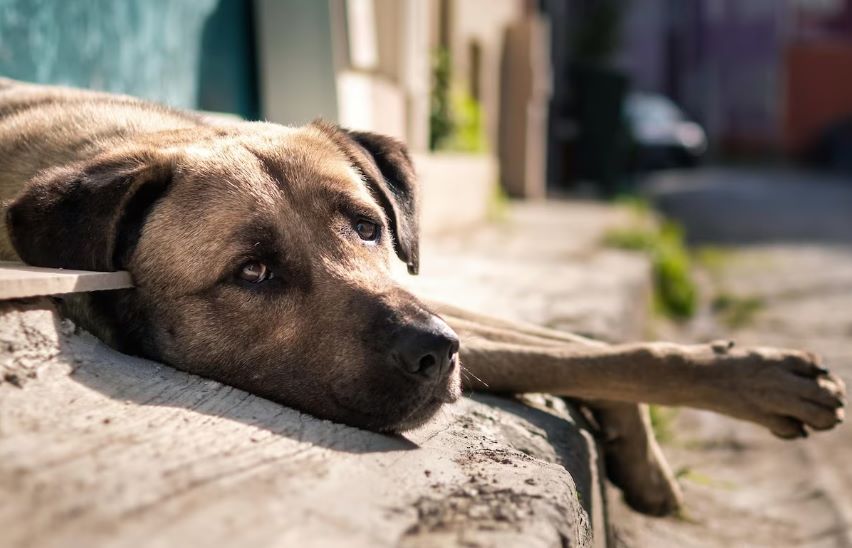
pixel 367 230
pixel 255 272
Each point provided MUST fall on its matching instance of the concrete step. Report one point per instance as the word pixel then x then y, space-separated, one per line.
pixel 103 449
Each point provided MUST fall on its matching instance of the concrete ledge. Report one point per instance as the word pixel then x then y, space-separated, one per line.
pixel 102 449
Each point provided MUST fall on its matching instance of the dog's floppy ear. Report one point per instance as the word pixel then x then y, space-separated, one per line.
pixel 388 170
pixel 87 216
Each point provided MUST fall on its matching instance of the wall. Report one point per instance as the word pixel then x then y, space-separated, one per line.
pixel 818 90
pixel 148 48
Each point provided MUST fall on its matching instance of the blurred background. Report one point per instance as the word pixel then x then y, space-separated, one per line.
pixel 564 94
pixel 674 169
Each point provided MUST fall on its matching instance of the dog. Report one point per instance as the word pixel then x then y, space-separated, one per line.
pixel 261 257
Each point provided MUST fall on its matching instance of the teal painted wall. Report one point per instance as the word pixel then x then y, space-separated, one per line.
pixel 186 53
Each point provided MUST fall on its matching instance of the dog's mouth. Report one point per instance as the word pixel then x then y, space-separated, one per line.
pixel 407 416
pixel 443 393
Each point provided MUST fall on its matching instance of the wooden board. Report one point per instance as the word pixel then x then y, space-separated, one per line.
pixel 18 280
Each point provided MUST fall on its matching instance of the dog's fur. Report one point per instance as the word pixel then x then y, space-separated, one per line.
pixel 103 182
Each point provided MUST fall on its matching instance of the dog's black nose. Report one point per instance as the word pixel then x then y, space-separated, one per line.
pixel 427 351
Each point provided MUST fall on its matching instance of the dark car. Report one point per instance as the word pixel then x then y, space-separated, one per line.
pixel 662 135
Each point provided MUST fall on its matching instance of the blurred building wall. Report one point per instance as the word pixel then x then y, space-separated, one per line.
pixel 480 25
pixel 164 50
pixel 737 65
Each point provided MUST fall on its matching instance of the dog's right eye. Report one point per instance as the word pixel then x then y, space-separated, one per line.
pixel 255 272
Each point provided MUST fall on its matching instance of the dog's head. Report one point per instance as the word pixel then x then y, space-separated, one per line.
pixel 261 257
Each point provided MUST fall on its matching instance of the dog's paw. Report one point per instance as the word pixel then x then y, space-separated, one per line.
pixel 786 391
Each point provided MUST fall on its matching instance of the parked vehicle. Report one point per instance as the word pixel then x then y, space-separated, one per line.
pixel 663 136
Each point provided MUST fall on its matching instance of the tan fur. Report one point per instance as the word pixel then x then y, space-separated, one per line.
pixel 316 342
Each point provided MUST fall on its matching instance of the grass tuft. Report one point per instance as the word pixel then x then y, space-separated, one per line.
pixel 662 422
pixel 735 310
pixel 675 292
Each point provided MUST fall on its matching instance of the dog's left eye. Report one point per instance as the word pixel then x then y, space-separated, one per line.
pixel 367 230
pixel 255 272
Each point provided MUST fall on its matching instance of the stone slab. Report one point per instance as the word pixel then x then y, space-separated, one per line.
pixel 103 449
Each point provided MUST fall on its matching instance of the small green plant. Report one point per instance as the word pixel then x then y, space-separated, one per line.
pixel 662 422
pixel 688 474
pixel 498 205
pixel 675 292
pixel 713 259
pixel 469 129
pixel 441 124
pixel 735 310
pixel 456 121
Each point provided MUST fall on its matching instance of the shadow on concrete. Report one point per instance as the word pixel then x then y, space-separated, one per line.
pixel 131 379
pixel 749 206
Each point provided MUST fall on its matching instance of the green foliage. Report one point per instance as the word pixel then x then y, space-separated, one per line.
pixel 662 422
pixel 735 310
pixel 469 134
pixel 675 293
pixel 456 121
pixel 441 125
pixel 498 205
pixel 712 258
pixel 688 474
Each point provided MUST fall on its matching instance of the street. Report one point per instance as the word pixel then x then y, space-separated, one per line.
pixel 774 250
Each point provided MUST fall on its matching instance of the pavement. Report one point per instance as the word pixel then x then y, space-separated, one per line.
pixel 782 241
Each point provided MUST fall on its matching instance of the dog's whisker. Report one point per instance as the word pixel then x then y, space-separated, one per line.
pixel 469 372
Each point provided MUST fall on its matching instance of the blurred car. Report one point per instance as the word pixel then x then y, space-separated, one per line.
pixel 662 135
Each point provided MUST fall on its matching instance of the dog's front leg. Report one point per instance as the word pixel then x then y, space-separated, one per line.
pixel 783 390
pixel 634 460
pixel 780 389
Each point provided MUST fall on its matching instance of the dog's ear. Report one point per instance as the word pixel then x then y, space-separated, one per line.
pixel 389 172
pixel 87 216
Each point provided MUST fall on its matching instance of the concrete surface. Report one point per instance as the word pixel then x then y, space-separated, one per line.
pixel 98 448
pixel 543 263
pixel 456 191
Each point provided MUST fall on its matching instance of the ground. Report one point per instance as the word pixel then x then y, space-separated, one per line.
pixel 779 273
pixel 775 268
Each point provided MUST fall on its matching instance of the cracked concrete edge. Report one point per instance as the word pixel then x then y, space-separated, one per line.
pixel 99 448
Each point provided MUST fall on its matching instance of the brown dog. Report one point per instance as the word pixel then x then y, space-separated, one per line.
pixel 261 257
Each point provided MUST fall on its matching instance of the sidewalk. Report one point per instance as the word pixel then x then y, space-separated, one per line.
pixel 785 272
pixel 543 264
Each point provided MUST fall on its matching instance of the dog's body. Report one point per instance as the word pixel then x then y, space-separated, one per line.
pixel 261 258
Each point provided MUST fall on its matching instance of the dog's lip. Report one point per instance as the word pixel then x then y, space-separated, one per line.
pixel 444 393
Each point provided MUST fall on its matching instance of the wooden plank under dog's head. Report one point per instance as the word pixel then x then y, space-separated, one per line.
pixel 18 280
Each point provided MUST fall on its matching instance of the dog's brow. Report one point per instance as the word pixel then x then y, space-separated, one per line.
pixel 349 202
pixel 269 167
